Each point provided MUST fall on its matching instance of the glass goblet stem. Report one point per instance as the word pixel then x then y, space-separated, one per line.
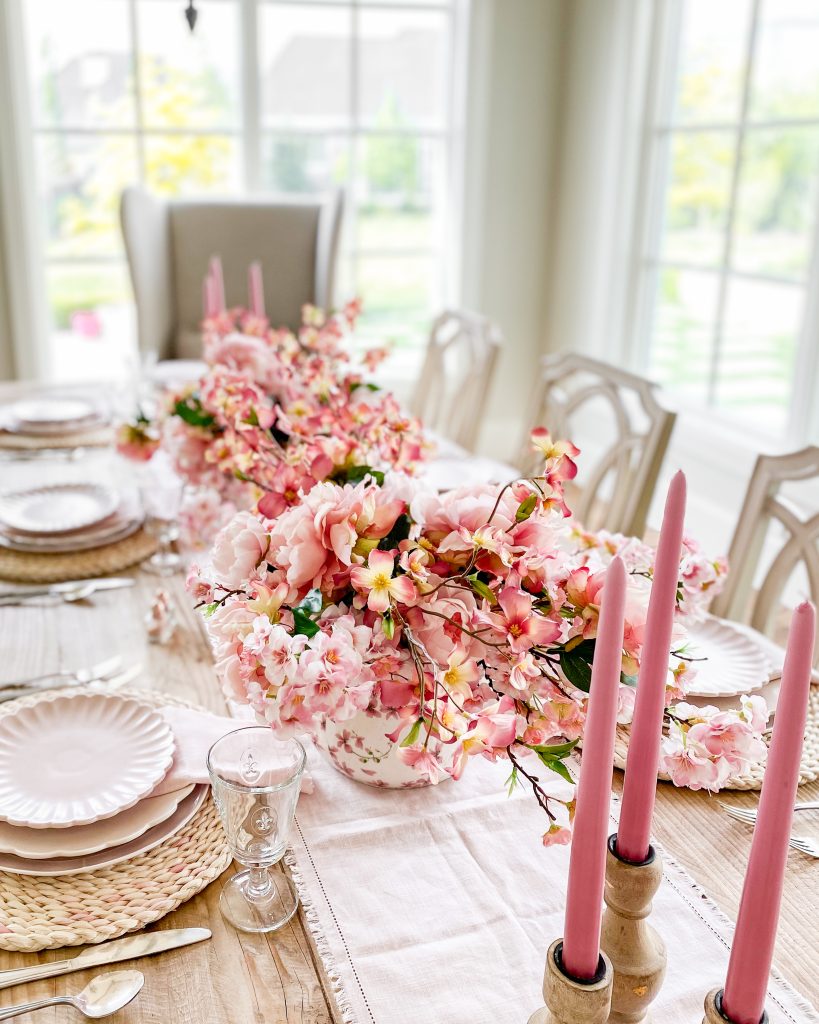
pixel 259 883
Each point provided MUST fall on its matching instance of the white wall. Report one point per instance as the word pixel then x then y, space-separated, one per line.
pixel 512 115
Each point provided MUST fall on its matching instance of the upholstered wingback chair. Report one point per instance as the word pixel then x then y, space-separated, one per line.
pixel 169 244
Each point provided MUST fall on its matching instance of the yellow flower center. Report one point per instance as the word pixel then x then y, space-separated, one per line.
pixel 381 581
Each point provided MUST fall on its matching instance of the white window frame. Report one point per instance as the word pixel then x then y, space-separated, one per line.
pixel 250 133
pixel 803 418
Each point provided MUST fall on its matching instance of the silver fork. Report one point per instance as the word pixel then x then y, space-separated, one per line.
pixel 805 845
pixel 101 671
pixel 748 816
pixel 111 682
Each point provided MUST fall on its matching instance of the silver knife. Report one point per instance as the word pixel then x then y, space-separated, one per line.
pixel 56 589
pixel 134 946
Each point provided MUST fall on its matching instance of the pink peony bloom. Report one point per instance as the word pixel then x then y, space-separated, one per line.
pixel 238 549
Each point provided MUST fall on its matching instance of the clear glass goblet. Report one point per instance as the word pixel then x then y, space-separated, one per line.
pixel 160 491
pixel 255 778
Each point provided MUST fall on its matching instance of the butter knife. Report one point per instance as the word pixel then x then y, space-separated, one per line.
pixel 134 946
pixel 57 589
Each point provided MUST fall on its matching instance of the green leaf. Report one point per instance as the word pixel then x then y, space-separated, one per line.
pixel 209 609
pixel 388 625
pixel 302 623
pixel 311 604
pixel 577 664
pixel 481 588
pixel 526 508
pixel 412 735
pixel 253 417
pixel 559 769
pixel 628 680
pixel 555 750
pixel 399 532
pixel 190 410
pixel 355 474
pixel 512 781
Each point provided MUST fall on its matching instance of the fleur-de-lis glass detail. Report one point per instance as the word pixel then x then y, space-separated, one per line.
pixel 255 778
pixel 249 767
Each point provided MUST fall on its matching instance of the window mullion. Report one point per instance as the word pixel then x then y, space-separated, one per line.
pixel 138 111
pixel 353 143
pixel 733 196
pixel 251 99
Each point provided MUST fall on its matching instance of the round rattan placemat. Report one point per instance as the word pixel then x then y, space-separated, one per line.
pixel 27 567
pixel 44 913
pixel 752 779
pixel 99 437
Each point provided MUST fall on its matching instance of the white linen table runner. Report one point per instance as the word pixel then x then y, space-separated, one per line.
pixel 437 905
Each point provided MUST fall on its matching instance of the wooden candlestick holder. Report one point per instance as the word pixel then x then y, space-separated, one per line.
pixel 713 1010
pixel 569 1001
pixel 636 951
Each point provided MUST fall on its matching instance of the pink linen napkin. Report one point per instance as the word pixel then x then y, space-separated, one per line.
pixel 195 733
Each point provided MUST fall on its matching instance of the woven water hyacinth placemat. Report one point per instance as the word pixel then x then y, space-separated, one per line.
pixel 45 913
pixel 28 567
pixel 752 779
pixel 99 437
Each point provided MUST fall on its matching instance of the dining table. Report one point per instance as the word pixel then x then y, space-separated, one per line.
pixel 278 977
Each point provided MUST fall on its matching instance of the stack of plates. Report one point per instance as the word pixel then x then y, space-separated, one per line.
pixel 52 417
pixel 66 517
pixel 78 776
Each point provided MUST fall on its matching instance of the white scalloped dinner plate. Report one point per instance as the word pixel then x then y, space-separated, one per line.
pixel 106 858
pixel 733 664
pixel 52 412
pixel 57 508
pixel 80 757
pixel 95 537
pixel 83 840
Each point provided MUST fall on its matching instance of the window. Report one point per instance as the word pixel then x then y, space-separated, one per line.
pixel 729 264
pixel 265 95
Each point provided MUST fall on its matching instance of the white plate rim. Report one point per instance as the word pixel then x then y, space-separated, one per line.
pixel 65 545
pixel 167 758
pixel 173 800
pixel 144 844
pixel 107 497
pixel 730 689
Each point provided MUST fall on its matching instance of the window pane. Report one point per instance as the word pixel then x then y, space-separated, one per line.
pixel 400 294
pixel 304 65
pixel 757 356
pixel 684 331
pixel 189 79
pixel 712 60
pixel 698 197
pixel 402 68
pixel 81 179
pixel 400 193
pixel 92 319
pixel 777 202
pixel 191 164
pixel 786 75
pixel 305 164
pixel 79 61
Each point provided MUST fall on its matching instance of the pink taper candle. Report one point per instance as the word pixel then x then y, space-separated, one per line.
pixel 587 867
pixel 640 786
pixel 743 1001
pixel 218 280
pixel 256 289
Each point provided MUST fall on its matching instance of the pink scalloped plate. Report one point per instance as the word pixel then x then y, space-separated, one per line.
pixel 114 854
pixel 80 757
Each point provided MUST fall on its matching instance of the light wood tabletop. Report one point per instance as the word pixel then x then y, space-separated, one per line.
pixel 277 979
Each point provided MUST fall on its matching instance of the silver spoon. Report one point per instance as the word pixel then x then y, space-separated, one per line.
pixel 102 996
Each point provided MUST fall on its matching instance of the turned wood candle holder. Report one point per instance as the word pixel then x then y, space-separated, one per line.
pixel 713 1010
pixel 636 951
pixel 569 1001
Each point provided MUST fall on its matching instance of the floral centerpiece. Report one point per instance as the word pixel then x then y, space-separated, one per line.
pixel 410 631
pixel 275 413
